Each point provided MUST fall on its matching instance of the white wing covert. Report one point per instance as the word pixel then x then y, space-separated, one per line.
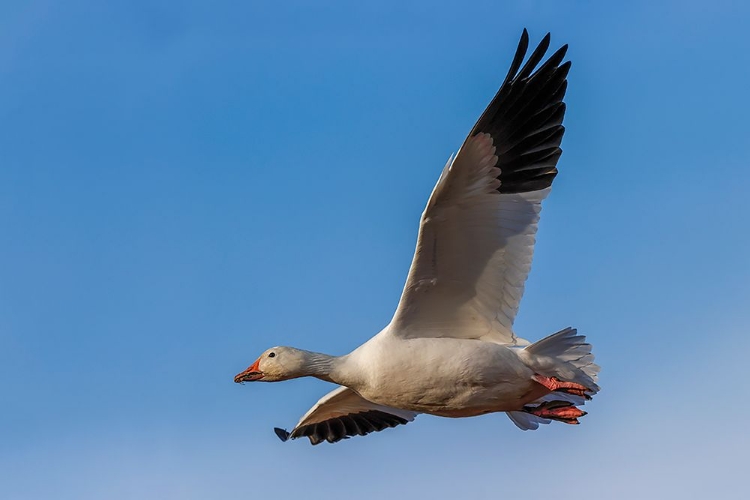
pixel 477 233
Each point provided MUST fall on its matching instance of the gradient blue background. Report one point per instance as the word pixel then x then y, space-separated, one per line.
pixel 185 185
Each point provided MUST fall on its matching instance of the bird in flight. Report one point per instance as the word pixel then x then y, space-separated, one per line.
pixel 450 349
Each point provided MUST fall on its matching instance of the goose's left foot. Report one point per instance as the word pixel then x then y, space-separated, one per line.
pixel 562 411
pixel 554 384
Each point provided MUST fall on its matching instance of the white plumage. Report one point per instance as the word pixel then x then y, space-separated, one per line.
pixel 450 349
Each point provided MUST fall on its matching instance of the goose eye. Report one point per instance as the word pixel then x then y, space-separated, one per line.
pixel 271 354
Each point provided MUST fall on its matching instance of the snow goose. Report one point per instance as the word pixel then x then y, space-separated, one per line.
pixel 450 349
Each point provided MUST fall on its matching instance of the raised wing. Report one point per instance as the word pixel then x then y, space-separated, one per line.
pixel 476 237
pixel 343 413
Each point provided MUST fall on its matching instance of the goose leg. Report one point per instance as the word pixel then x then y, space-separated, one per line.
pixel 554 384
pixel 562 411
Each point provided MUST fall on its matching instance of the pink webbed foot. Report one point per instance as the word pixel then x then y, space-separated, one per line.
pixel 554 384
pixel 562 411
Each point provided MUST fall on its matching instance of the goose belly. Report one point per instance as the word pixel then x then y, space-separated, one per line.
pixel 449 377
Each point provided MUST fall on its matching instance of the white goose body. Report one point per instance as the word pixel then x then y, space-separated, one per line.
pixel 415 374
pixel 450 349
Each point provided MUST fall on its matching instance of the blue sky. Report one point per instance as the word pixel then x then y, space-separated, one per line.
pixel 184 186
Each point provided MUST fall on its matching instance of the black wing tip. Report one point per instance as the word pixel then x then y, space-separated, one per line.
pixel 525 117
pixel 344 427
pixel 537 56
pixel 523 46
pixel 283 434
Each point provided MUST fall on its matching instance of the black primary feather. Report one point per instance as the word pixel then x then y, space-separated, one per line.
pixel 336 429
pixel 525 118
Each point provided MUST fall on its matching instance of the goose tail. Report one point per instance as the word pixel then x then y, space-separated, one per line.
pixel 564 363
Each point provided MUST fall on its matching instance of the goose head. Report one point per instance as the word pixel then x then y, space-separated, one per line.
pixel 274 365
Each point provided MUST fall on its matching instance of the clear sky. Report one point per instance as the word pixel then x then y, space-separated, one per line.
pixel 185 184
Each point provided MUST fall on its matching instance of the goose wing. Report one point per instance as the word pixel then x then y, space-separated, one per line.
pixel 477 233
pixel 343 413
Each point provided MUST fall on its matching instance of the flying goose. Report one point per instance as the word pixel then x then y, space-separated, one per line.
pixel 450 349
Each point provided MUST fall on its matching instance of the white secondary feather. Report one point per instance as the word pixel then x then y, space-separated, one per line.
pixel 344 401
pixel 473 253
pixel 342 413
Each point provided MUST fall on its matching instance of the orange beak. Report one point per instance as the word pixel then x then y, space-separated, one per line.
pixel 252 373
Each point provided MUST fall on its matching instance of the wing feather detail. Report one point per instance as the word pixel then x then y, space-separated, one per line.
pixel 343 413
pixel 477 233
